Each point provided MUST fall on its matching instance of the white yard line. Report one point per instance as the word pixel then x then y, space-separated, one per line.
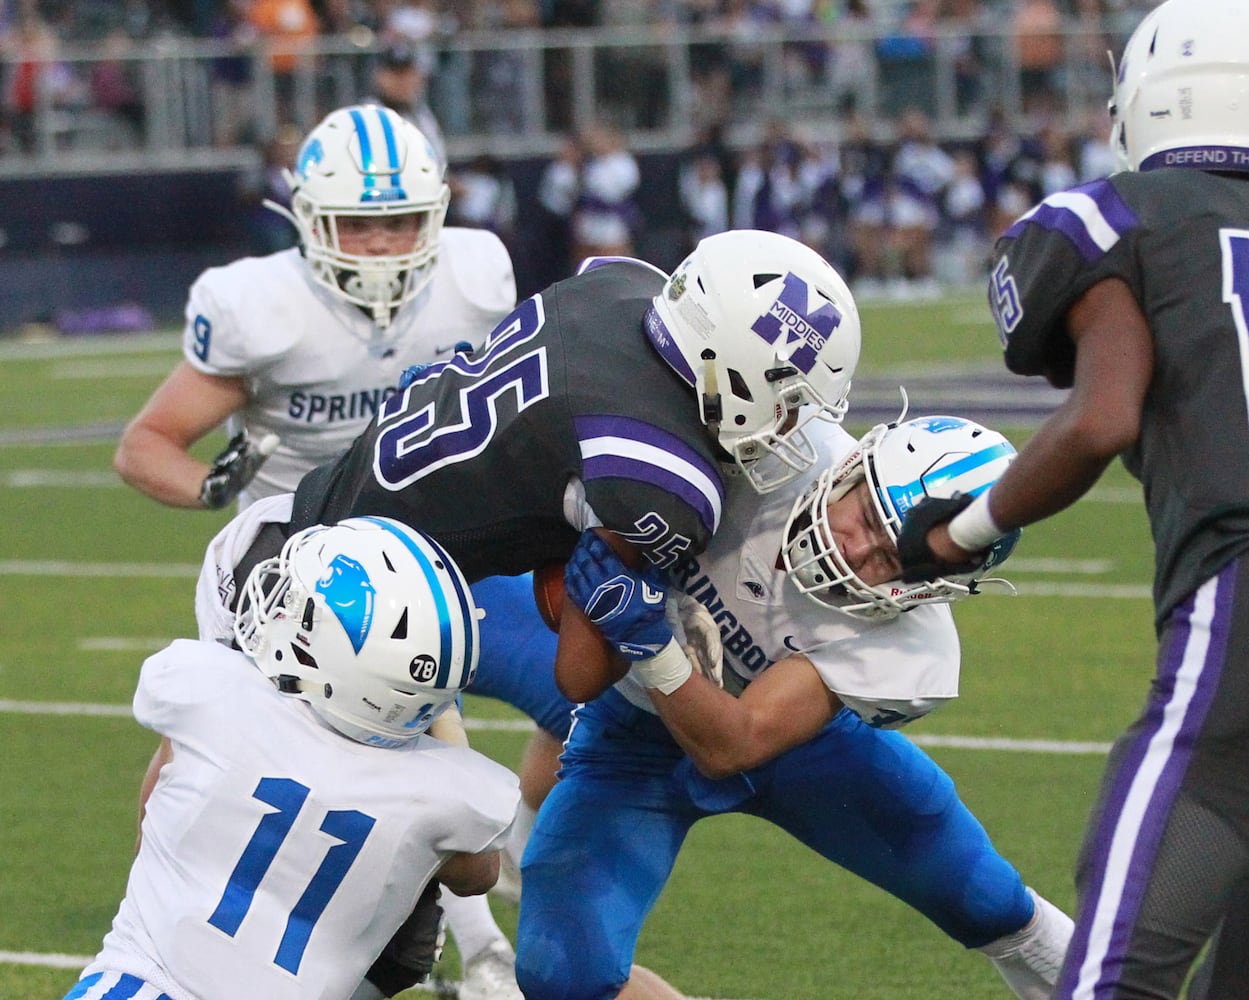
pixel 53 960
pixel 56 567
pixel 1078 747
pixel 1112 591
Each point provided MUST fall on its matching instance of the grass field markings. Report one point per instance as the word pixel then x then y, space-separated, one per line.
pixel 526 725
pixel 104 368
pixel 1080 567
pixel 1098 591
pixel 72 478
pixel 960 395
pixel 1014 746
pixel 122 644
pixel 48 960
pixel 86 708
pixel 51 960
pixel 1115 494
pixel 42 436
pixel 82 347
pixel 55 567
pixel 63 708
pixel 51 567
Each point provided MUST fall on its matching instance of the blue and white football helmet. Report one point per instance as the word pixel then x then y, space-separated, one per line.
pixel 368 161
pixel 1182 87
pixel 903 463
pixel 368 621
pixel 767 333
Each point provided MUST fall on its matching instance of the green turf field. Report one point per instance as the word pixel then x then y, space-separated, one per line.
pixel 94 576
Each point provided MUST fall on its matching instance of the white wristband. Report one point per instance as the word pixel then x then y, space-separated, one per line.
pixel 667 670
pixel 974 528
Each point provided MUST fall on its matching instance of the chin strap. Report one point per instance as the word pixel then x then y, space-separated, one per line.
pixel 710 405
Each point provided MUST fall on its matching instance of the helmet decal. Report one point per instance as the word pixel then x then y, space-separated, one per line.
pixel 945 480
pixel 789 315
pixel 443 609
pixel 349 594
pixel 762 327
pixel 371 169
pixel 935 425
pixel 310 156
pixel 367 621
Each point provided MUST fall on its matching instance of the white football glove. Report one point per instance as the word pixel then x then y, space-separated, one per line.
pixel 235 467
pixel 698 634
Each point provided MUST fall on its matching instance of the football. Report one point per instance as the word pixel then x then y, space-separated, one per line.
pixel 548 592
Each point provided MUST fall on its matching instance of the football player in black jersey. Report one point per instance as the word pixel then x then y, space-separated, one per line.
pixel 616 399
pixel 1134 292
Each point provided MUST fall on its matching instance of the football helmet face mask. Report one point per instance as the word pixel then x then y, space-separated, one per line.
pixel 767 333
pixel 1182 87
pixel 368 621
pixel 902 463
pixel 366 162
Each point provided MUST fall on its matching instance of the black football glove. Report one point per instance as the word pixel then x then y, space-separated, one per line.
pixel 919 563
pixel 409 956
pixel 234 468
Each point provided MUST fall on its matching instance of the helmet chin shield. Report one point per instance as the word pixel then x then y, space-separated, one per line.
pixel 766 332
pixel 902 463
pixel 366 163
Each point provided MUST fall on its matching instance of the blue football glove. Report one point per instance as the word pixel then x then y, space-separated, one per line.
pixel 919 562
pixel 626 605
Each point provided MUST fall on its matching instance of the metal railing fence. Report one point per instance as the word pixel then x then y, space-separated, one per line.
pixel 181 103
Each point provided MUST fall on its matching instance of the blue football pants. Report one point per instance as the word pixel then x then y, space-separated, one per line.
pixel 607 837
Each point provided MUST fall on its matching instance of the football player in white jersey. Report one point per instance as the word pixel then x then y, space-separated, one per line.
pixel 802 624
pixel 302 810
pixel 305 344
pixel 296 351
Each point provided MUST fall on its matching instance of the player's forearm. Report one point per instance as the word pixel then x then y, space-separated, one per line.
pixel 470 874
pixel 715 729
pixel 585 663
pixel 159 468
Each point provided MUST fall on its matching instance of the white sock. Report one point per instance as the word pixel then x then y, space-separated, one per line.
pixel 471 923
pixel 1030 959
pixel 519 837
pixel 367 991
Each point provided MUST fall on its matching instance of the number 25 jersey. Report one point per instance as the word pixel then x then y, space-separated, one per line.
pixel 566 419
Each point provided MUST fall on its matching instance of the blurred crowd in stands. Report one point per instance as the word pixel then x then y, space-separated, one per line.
pixel 898 207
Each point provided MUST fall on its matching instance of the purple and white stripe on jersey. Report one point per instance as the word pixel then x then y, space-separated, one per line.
pixel 614 447
pixel 1092 216
pixel 114 986
pixel 1146 783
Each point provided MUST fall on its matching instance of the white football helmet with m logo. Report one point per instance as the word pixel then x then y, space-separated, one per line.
pixel 767 333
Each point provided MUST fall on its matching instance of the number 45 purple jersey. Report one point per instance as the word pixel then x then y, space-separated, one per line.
pixel 1189 272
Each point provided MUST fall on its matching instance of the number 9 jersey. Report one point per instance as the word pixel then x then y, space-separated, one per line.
pixel 566 419
pixel 1189 271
